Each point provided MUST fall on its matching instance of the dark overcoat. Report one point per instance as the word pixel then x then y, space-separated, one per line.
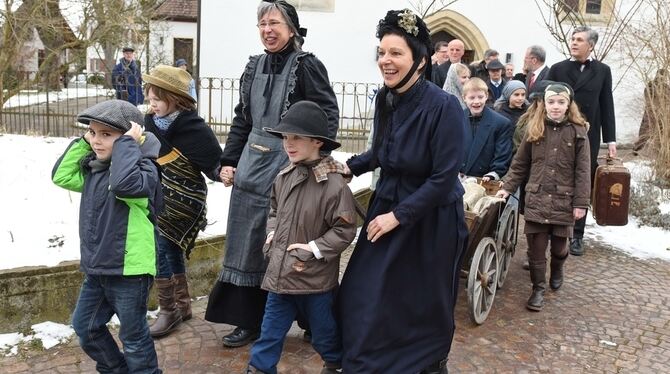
pixel 397 297
pixel 593 95
pixel 489 148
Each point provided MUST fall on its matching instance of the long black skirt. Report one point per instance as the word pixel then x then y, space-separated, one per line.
pixel 236 305
pixel 397 297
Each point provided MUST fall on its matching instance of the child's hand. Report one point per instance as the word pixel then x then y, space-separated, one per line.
pixel 299 246
pixel 135 131
pixel 486 178
pixel 226 175
pixel 380 225
pixel 268 239
pixel 502 193
pixel 578 213
pixel 87 137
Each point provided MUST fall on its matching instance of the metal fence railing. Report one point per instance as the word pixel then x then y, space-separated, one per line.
pixel 38 111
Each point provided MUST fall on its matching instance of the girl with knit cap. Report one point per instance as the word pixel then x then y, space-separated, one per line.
pixel 512 102
pixel 554 158
pixel 189 149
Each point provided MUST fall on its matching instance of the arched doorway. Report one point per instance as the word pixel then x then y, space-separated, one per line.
pixel 448 24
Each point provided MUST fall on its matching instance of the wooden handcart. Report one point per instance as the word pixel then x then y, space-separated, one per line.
pixel 491 246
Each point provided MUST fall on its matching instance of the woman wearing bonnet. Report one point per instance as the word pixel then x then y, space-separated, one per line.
pixel 397 297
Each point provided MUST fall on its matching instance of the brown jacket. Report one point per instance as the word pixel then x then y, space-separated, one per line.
pixel 310 202
pixel 558 171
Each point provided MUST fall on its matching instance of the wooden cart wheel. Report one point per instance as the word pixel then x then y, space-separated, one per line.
pixel 483 280
pixel 506 241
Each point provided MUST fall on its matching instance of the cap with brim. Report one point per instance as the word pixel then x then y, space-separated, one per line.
pixel 128 49
pixel 116 114
pixel 560 89
pixel 494 65
pixel 305 118
pixel 171 79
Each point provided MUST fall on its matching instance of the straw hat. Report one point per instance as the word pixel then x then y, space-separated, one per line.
pixel 171 79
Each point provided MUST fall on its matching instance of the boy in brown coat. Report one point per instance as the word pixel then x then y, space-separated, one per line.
pixel 311 221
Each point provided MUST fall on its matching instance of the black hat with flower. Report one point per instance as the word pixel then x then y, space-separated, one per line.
pixel 415 32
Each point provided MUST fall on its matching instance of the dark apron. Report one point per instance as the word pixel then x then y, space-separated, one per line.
pixel 262 158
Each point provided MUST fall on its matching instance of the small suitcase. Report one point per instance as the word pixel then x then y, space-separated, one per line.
pixel 611 192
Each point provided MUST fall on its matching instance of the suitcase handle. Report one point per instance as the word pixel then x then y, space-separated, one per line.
pixel 610 160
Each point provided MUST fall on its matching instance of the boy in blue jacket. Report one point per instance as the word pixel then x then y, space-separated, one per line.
pixel 113 167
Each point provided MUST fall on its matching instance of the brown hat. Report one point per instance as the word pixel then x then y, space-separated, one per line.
pixel 170 78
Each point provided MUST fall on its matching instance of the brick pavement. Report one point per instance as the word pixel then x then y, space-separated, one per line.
pixel 612 315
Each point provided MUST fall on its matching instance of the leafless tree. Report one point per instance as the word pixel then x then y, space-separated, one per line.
pixel 425 8
pixel 646 46
pixel 560 17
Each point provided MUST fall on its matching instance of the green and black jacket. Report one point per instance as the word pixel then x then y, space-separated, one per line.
pixel 117 214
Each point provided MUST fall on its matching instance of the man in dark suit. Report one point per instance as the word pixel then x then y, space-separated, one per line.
pixel 534 64
pixel 454 52
pixel 591 81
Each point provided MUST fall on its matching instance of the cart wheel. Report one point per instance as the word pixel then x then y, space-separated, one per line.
pixel 506 241
pixel 483 280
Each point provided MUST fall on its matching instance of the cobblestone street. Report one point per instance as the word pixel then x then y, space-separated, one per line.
pixel 612 315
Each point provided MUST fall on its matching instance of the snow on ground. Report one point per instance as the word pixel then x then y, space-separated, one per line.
pixel 39 221
pixel 28 97
pixel 49 333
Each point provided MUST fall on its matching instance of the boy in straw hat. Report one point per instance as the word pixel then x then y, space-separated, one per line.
pixel 312 220
pixel 117 231
pixel 189 149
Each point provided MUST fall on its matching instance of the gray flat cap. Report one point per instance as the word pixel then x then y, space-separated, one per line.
pixel 116 114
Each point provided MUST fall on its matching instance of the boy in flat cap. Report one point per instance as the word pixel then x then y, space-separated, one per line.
pixel 312 220
pixel 117 229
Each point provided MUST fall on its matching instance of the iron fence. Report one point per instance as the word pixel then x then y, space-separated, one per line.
pixel 42 112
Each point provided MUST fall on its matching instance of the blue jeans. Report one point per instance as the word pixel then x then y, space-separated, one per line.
pixel 170 258
pixel 280 312
pixel 101 297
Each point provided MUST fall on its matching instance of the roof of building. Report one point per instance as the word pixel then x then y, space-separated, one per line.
pixel 177 10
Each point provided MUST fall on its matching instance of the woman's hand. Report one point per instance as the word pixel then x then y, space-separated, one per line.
pixel 268 239
pixel 502 193
pixel 380 225
pixel 227 174
pixel 347 170
pixel 578 213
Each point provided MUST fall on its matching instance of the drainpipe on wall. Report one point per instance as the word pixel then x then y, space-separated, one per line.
pixel 196 70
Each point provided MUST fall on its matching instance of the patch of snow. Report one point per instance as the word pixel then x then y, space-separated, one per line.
pixel 51 333
pixel 32 97
pixel 9 342
pixel 638 241
pixel 605 342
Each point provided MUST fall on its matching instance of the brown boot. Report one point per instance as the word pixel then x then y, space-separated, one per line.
pixel 182 296
pixel 556 278
pixel 168 316
pixel 538 278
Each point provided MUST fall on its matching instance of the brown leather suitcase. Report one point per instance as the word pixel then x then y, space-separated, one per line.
pixel 611 192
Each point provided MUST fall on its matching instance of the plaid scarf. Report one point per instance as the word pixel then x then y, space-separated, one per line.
pixel 322 168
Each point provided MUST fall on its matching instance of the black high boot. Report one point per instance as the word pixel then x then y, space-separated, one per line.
pixel 439 367
pixel 556 278
pixel 538 278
